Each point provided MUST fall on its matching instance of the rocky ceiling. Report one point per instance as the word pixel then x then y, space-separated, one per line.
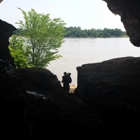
pixel 130 16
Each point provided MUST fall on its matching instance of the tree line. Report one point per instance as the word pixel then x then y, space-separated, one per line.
pixel 95 33
pixel 102 33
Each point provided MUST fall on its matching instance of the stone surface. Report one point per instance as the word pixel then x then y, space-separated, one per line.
pixel 56 111
pixel 6 30
pixel 38 79
pixel 129 13
pixel 112 90
pixel 45 110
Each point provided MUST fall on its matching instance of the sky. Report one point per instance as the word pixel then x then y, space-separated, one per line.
pixel 86 14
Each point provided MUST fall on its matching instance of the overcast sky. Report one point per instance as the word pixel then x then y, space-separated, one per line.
pixel 84 13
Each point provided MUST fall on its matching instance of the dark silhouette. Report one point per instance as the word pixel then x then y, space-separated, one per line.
pixel 70 80
pixel 66 79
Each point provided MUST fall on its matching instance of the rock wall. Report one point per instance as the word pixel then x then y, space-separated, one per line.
pixel 38 79
pixel 6 30
pixel 12 94
pixel 111 90
pixel 129 13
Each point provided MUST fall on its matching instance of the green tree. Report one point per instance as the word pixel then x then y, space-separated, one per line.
pixel 43 36
pixel 18 51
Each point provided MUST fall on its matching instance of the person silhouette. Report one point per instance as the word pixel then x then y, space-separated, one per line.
pixel 66 79
pixel 70 80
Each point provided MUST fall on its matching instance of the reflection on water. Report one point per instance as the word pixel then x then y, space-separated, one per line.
pixel 78 51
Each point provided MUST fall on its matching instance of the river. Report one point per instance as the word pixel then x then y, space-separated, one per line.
pixel 78 51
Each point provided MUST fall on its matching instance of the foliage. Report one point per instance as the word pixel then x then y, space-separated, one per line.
pixel 78 32
pixel 43 37
pixel 18 51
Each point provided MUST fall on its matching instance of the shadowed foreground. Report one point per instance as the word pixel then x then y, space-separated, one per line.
pixel 112 91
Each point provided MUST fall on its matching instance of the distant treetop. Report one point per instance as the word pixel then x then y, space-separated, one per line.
pixel 78 32
pixel 95 33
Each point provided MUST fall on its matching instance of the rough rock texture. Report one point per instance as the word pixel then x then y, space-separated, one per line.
pixel 12 94
pixel 37 79
pixel 129 12
pixel 32 113
pixel 52 110
pixel 6 30
pixel 34 105
pixel 12 107
pixel 112 90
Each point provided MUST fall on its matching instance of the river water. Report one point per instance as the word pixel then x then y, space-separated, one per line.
pixel 78 51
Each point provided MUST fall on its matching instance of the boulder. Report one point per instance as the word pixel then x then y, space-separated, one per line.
pixel 12 95
pixel 38 79
pixel 55 111
pixel 111 90
pixel 6 30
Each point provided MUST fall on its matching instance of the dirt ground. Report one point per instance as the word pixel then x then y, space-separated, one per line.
pixel 72 88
